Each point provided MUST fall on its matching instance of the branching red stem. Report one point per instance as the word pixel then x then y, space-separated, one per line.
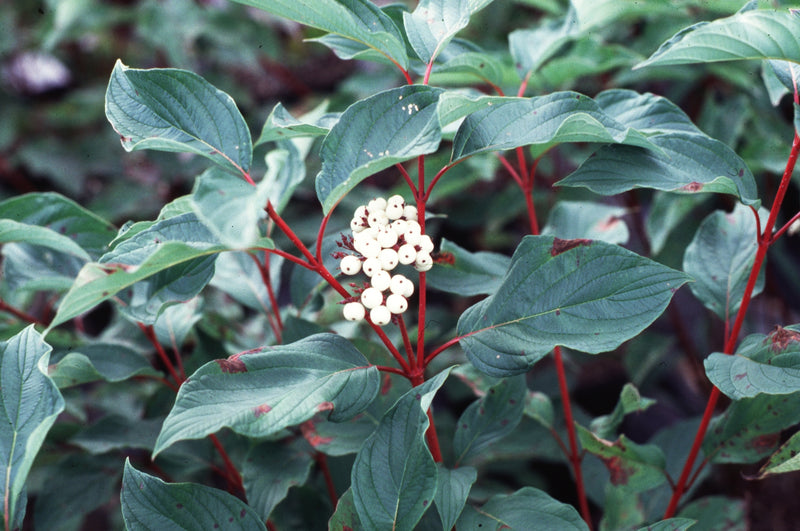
pixel 765 239
pixel 407 178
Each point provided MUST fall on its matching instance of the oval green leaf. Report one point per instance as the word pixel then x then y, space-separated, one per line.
pixel 507 123
pixel 394 476
pixel 528 508
pixel 258 393
pixel 687 163
pixel 582 294
pixel 167 109
pixel 452 491
pixel 466 273
pixel 30 404
pixel 374 134
pixel 768 364
pixel 150 503
pixel 755 34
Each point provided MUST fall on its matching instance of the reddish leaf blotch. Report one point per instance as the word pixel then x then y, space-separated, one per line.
pixel 562 246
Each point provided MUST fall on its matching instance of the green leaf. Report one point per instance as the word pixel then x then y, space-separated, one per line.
pixel 270 469
pixel 167 109
pixel 260 392
pixel 688 163
pixel 630 401
pixel 531 48
pixel 716 513
pixel 585 219
pixel 634 467
pixel 281 125
pixel 491 417
pixel 542 121
pixel 528 508
pixel 149 503
pixel 229 207
pixel 670 524
pixel 174 242
pixel 667 211
pixel 647 113
pixel 755 34
pixel 785 459
pixel 57 213
pixel 477 63
pixel 359 21
pixel 394 476
pixel 118 432
pixel 433 23
pixel 767 364
pixel 30 404
pixel 374 134
pixel 464 273
pixel 99 361
pixel 13 231
pixel 285 171
pixel 345 516
pixel 720 258
pixel 749 430
pixel 451 493
pixel 585 295
pixel 601 13
pixel 75 486
pixel 622 509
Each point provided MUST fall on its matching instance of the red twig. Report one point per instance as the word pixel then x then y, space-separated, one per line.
pixel 407 178
pixel 785 227
pixel 765 239
pixel 232 473
pixel 401 323
pixel 322 462
pixel 19 314
pixel 511 170
pixel 574 455
pixel 150 333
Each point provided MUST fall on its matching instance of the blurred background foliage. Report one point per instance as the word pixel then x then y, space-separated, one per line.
pixel 55 60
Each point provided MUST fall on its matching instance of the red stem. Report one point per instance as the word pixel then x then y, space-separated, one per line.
pixel 19 314
pixel 407 178
pixel 786 226
pixel 150 333
pixel 275 321
pixel 233 474
pixel 574 455
pixel 511 170
pixel 765 239
pixel 322 462
pixel 401 323
pixel 290 257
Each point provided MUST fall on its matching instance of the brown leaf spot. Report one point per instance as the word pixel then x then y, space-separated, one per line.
pixel 764 442
pixel 693 186
pixel 780 338
pixel 310 434
pixel 262 409
pixel 325 406
pixel 620 474
pixel 386 385
pixel 444 258
pixel 232 365
pixel 561 246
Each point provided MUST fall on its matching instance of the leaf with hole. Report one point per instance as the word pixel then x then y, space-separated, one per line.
pixel 260 392
pixel 582 294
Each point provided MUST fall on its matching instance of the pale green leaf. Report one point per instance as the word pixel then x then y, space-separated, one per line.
pixel 359 21
pixel 716 513
pixel 630 401
pixel 452 490
pixel 258 393
pixel 531 48
pixel 465 273
pixel 270 469
pixel 13 231
pixel 281 125
pixel 433 23
pixel 584 219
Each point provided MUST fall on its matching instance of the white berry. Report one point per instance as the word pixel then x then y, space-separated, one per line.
pixel 401 286
pixel 371 266
pixel 425 243
pixel 370 249
pixel 371 297
pixel 410 212
pixel 413 228
pixel 377 219
pixel 380 315
pixel 396 303
pixel 406 254
pixel 381 280
pixel 399 226
pixel 350 265
pixel 387 237
pixel 388 258
pixel 360 212
pixel 356 225
pixel 396 199
pixel 412 238
pixel 378 203
pixel 423 262
pixel 354 311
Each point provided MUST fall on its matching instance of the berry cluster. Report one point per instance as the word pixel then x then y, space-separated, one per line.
pixel 385 233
